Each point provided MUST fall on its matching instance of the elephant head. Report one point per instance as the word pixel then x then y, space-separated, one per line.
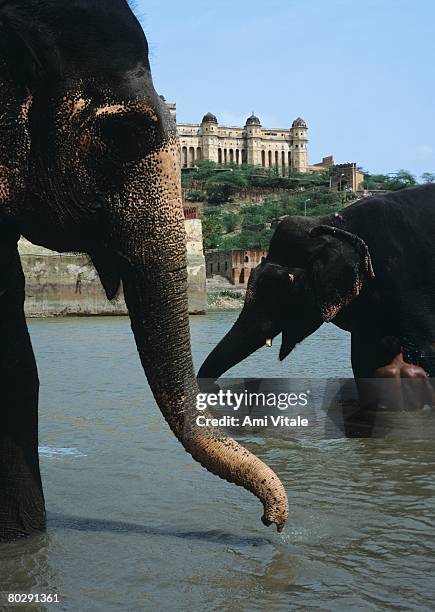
pixel 313 270
pixel 89 162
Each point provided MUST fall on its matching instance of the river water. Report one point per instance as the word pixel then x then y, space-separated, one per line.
pixel 135 524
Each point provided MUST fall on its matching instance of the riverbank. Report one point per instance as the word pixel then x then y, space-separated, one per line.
pixel 225 301
pixel 67 284
pixel 223 296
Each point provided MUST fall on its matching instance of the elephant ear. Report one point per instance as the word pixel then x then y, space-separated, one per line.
pixel 341 266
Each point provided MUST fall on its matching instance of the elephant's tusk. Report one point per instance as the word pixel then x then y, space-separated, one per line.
pixel 269 342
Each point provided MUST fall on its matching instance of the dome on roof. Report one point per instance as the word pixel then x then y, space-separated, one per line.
pixel 299 123
pixel 253 120
pixel 209 118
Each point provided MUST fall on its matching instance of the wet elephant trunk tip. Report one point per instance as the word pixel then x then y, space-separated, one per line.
pixel 232 462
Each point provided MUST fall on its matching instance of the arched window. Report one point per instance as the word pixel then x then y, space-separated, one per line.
pixel 231 156
pixel 219 156
pixel 237 156
pixel 244 159
pixel 242 277
pixel 184 157
pixel 191 155
pixel 276 159
pixel 270 159
pixel 283 159
pixel 289 160
pixel 225 156
pixel 263 158
pixel 199 153
pixel 246 259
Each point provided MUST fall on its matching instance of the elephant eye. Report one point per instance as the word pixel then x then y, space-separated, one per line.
pixel 128 136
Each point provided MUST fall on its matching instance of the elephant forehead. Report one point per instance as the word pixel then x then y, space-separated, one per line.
pixel 133 106
pixel 74 105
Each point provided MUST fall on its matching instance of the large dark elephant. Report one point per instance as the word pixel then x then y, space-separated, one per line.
pixel 370 270
pixel 89 162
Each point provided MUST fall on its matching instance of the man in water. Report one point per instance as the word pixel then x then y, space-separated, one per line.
pixel 409 387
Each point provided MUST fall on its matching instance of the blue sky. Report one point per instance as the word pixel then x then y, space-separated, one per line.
pixel 361 73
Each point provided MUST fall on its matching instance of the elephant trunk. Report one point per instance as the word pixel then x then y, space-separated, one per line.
pixel 155 287
pixel 243 339
pixel 159 315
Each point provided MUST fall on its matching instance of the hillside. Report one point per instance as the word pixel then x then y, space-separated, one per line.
pixel 241 202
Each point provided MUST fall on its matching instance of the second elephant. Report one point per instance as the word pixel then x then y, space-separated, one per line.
pixel 369 270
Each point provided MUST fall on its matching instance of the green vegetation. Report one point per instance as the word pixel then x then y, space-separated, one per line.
pixel 229 300
pixel 220 183
pixel 428 177
pixel 401 179
pixel 231 295
pixel 247 225
pixel 195 195
pixel 212 228
pixel 228 224
pixel 247 240
pixel 231 221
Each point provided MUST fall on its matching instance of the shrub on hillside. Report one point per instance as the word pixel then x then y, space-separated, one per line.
pixel 195 195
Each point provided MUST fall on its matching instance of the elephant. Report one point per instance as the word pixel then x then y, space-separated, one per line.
pixel 368 269
pixel 90 163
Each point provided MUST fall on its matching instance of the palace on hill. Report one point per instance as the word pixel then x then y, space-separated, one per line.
pixel 285 149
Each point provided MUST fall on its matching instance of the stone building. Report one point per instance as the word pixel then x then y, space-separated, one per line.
pixel 285 149
pixel 347 177
pixel 235 266
pixel 282 148
pixel 343 177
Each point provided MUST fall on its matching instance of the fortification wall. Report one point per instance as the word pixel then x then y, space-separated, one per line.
pixel 68 284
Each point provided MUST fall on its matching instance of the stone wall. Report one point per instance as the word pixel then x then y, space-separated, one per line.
pixel 196 267
pixel 236 266
pixel 68 284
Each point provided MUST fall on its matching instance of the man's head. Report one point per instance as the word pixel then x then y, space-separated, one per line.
pixel 391 347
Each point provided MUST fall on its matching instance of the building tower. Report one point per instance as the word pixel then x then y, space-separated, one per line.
pixel 253 132
pixel 299 145
pixel 209 137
